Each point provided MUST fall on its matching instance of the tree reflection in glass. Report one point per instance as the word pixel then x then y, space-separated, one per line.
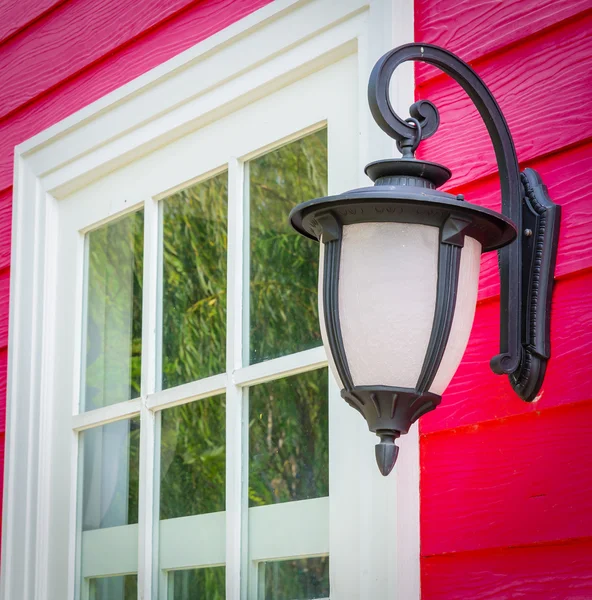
pixel 289 439
pixel 121 587
pixel 113 324
pixel 295 579
pixel 283 264
pixel 194 282
pixel 194 584
pixel 193 458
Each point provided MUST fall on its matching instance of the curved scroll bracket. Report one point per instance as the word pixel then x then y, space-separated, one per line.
pixel 526 265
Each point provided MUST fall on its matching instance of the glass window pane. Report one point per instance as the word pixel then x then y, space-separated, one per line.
pixel 193 458
pixel 194 282
pixel 123 587
pixel 192 496
pixel 296 579
pixel 197 584
pixel 111 467
pixel 113 305
pixel 289 439
pixel 283 264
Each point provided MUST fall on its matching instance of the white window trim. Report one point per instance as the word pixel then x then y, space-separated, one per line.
pixel 273 46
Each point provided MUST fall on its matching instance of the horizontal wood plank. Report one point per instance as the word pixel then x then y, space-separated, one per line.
pixel 4 294
pixel 519 481
pixel 5 227
pixel 555 572
pixel 3 382
pixel 179 33
pixel 533 84
pixel 474 29
pixel 566 175
pixel 476 394
pixel 56 47
pixel 15 15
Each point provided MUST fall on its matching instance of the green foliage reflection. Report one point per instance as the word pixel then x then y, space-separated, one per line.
pixel 192 458
pixel 299 579
pixel 122 587
pixel 114 312
pixel 288 439
pixel 198 584
pixel 284 265
pixel 194 282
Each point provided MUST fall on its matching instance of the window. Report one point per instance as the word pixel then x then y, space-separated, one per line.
pixel 200 324
pixel 182 435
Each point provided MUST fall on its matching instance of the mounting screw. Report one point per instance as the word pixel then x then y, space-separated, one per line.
pixel 528 232
pixel 460 197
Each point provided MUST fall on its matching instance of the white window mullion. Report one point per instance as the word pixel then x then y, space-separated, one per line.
pixel 284 366
pixel 157 358
pixel 248 583
pixel 187 392
pixel 243 254
pixel 235 473
pixel 148 475
pixel 106 414
pixel 147 533
pixel 151 297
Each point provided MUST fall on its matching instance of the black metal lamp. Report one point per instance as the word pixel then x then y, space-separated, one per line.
pixel 399 265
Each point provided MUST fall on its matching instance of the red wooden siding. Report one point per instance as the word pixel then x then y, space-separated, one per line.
pixel 518 482
pixel 56 57
pixel 2 439
pixel 477 395
pixel 550 572
pixel 506 486
pixel 5 227
pixel 3 367
pixel 574 195
pixel 484 26
pixel 533 83
pixel 17 14
pixel 4 289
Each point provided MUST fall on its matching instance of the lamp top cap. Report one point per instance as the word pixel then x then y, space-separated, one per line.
pixel 392 171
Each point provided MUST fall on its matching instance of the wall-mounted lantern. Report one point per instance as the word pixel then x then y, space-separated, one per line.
pixel 399 265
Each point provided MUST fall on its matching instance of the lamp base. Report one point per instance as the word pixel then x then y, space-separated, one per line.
pixel 389 412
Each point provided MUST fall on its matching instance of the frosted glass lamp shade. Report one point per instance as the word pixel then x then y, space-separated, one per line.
pixel 387 288
pixel 387 285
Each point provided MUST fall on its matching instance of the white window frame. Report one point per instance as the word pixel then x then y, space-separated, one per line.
pixel 323 98
pixel 276 45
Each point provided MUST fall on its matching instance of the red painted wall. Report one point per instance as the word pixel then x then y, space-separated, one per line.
pixel 57 56
pixel 506 487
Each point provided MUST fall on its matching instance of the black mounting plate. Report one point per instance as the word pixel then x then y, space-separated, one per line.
pixel 538 236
